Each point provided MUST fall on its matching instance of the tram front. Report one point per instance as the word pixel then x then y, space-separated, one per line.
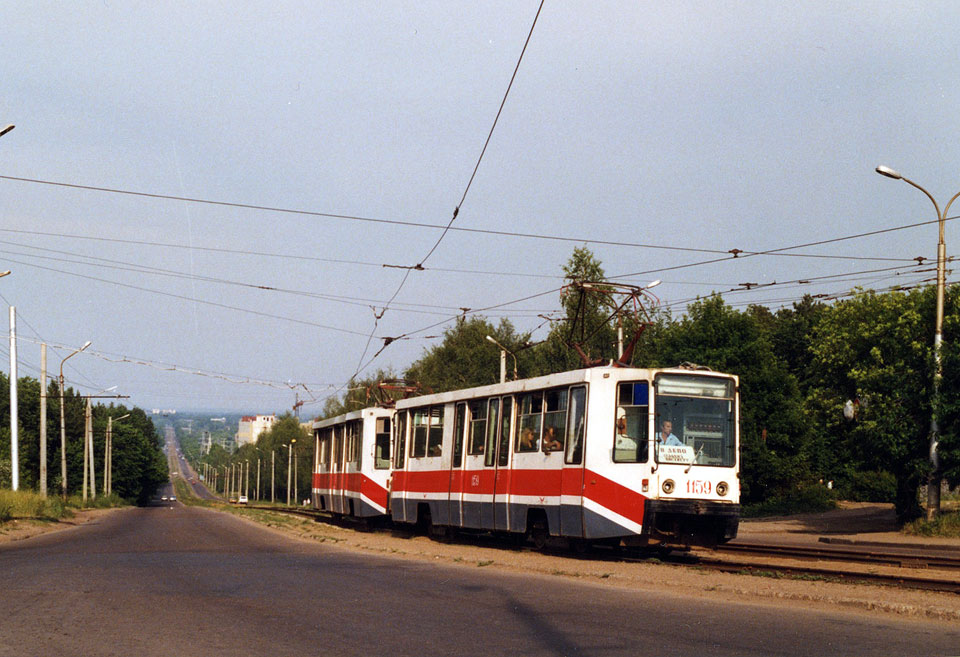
pixel 695 492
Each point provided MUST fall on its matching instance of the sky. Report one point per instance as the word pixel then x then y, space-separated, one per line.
pixel 323 146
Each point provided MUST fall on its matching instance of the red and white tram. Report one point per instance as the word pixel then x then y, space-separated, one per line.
pixel 638 456
pixel 351 468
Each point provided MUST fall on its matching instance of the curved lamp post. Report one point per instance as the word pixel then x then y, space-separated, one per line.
pixel 63 426
pixel 503 360
pixel 108 455
pixel 933 480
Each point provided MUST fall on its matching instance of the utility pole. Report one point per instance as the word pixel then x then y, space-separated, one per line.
pixel 86 451
pixel 63 430
pixel 14 421
pixel 43 419
pixel 273 486
pixel 258 478
pixel 289 464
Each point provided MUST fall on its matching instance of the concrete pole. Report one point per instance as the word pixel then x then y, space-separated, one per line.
pixel 289 464
pixel 296 497
pixel 106 456
pixel 43 419
pixel 14 420
pixel 258 478
pixel 273 486
pixel 93 467
pixel 63 440
pixel 246 484
pixel 86 451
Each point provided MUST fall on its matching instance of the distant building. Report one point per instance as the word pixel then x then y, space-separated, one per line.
pixel 251 426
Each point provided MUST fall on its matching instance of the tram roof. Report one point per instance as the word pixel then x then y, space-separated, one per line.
pixel 548 381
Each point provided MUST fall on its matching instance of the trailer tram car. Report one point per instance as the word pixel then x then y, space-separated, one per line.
pixel 589 455
pixel 351 468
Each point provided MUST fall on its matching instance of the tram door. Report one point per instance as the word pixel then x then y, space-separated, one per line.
pixel 336 470
pixel 501 483
pixel 490 463
pixel 571 478
pixel 456 467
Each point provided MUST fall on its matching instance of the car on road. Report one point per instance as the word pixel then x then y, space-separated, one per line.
pixel 164 498
pixel 242 499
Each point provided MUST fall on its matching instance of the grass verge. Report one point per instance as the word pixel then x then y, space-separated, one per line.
pixel 946 525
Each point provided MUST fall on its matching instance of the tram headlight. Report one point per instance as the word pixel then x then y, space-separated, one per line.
pixel 668 486
pixel 722 488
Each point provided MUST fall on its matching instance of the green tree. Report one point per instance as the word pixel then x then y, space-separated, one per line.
pixel 876 349
pixel 586 322
pixel 465 358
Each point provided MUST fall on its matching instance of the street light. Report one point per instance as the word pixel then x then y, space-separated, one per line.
pixel 933 479
pixel 108 455
pixel 503 360
pixel 63 426
pixel 289 465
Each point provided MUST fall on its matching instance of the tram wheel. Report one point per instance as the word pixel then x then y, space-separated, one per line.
pixel 539 533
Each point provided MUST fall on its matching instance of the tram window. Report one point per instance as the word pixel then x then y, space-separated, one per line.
pixel 381 448
pixel 435 433
pixel 354 428
pixel 503 450
pixel 458 429
pixel 478 426
pixel 529 421
pixel 401 429
pixel 418 446
pixel 630 444
pixel 554 419
pixel 326 436
pixel 575 425
pixel 490 447
pixel 337 446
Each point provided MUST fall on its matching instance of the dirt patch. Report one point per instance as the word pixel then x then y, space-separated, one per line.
pixel 650 575
pixel 23 528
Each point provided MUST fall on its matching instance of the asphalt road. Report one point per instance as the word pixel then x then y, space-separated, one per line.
pixel 175 580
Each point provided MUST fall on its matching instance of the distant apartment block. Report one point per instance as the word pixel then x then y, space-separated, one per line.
pixel 251 426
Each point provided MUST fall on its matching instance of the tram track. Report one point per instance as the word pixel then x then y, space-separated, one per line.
pixel 777 561
pixel 899 558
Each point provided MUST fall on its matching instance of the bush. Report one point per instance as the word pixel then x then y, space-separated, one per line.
pixel 947 524
pixel 27 504
pixel 810 498
pixel 867 486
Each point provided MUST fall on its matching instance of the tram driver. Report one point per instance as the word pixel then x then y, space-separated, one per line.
pixel 666 436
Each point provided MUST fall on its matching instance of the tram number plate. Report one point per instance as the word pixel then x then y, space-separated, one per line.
pixel 699 487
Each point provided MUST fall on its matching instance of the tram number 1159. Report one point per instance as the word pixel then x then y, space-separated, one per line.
pixel 699 487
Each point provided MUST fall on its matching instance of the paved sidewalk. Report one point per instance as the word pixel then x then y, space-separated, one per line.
pixel 852 523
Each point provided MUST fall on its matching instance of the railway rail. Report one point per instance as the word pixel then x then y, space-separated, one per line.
pixel 896 557
pixel 743 558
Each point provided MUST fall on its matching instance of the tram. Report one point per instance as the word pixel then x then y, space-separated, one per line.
pixel 351 468
pixel 611 455
pixel 601 455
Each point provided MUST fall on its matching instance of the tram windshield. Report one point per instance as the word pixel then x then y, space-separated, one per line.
pixel 694 420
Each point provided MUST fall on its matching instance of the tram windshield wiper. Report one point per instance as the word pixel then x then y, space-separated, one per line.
pixel 694 459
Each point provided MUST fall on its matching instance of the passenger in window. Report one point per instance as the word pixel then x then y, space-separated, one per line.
pixel 435 450
pixel 624 440
pixel 528 440
pixel 550 441
pixel 666 437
